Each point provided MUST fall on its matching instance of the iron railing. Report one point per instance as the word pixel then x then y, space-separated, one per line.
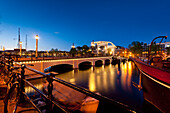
pixel 50 78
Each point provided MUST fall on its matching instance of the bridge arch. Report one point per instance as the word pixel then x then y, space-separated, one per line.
pixel 85 65
pixel 107 61
pixel 99 62
pixel 85 61
pixel 61 68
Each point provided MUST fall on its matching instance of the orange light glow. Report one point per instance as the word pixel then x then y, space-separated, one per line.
pixel 92 82
pixel 36 37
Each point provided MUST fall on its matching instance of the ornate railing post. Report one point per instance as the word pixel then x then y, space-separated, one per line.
pixel 22 83
pixel 50 88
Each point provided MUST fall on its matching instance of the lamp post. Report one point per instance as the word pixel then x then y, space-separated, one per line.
pixel 36 37
pixel 20 43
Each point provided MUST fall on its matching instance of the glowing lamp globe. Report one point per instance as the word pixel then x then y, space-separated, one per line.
pixel 36 37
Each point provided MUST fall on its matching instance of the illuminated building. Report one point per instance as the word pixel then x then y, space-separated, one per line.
pixel 156 49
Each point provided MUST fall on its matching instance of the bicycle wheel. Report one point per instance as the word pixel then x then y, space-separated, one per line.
pixel 11 99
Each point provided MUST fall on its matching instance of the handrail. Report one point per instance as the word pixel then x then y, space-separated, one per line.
pixel 42 94
pixel 82 90
pixel 50 78
pixel 32 102
pixel 91 94
pixel 36 71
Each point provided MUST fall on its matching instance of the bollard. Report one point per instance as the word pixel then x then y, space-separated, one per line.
pixel 22 84
pixel 50 88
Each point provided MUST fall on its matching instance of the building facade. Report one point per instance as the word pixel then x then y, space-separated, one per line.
pixel 156 49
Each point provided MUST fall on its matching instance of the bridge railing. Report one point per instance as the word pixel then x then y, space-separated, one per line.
pixel 49 97
pixel 53 58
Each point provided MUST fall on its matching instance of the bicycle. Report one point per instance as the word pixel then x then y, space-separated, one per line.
pixel 16 96
pixel 13 93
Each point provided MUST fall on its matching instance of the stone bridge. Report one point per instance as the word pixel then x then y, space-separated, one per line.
pixel 43 64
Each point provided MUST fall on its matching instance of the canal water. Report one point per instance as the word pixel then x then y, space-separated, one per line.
pixel 112 81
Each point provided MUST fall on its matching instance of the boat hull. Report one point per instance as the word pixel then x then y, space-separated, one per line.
pixel 156 94
pixel 155 84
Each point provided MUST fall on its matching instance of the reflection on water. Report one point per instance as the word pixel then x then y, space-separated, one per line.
pixel 113 81
pixel 102 78
pixel 92 82
pixel 37 83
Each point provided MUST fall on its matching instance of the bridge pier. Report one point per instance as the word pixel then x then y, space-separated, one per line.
pixel 75 64
pixel 93 63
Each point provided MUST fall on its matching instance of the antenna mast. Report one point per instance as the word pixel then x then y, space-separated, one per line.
pixel 26 42
pixel 18 38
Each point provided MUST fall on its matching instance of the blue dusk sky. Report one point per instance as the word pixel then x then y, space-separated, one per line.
pixel 59 23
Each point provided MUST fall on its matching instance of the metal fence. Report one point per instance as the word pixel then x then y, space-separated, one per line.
pixel 7 67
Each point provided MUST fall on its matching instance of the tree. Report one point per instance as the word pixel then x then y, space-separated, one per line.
pixel 73 51
pixel 52 51
pixel 56 50
pixel 136 48
pixel 85 48
pixel 79 50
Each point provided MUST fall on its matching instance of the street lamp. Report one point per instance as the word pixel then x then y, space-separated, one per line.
pixel 20 43
pixel 36 37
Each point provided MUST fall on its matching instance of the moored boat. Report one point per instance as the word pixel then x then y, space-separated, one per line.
pixel 155 80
